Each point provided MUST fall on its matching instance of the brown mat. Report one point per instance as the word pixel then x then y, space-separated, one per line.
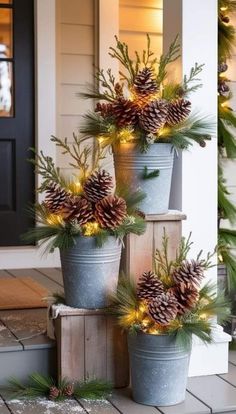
pixel 21 293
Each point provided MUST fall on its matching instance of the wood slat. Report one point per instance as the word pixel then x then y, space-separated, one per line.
pixel 44 406
pixel 141 19
pixel 231 375
pixel 215 392
pixel 79 11
pixel 39 277
pixel 77 39
pixel 5 274
pixel 99 407
pixel 3 407
pixel 232 357
pixel 95 344
pixel 122 400
pixel 191 405
pixel 7 340
pixel 52 273
pixel 77 69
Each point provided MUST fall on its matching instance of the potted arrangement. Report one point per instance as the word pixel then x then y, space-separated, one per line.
pixel 86 219
pixel 144 117
pixel 161 314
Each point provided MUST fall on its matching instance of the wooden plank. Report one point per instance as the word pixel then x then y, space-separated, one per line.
pixel 28 323
pixel 70 347
pixel 3 407
pixel 7 340
pixel 78 12
pixel 231 375
pixel 122 400
pixel 117 354
pixel 52 273
pixel 44 406
pixel 39 277
pixel 95 344
pixel 77 39
pixel 190 406
pixel 141 19
pixel 232 357
pixel 77 69
pixel 215 392
pixel 172 215
pixel 98 407
pixel 72 105
pixel 5 274
pixel 141 3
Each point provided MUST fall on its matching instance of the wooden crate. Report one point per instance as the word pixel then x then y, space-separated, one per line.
pixel 138 254
pixel 90 344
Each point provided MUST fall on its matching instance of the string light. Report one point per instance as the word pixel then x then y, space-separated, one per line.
pixel 225 8
pixel 125 135
pixel 54 219
pixel 91 228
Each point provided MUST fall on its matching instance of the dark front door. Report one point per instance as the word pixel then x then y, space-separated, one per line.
pixel 16 117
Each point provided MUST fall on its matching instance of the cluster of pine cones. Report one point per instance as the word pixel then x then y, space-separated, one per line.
pixel 56 393
pixel 95 203
pixel 165 304
pixel 146 110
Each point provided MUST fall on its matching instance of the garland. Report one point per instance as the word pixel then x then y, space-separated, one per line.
pixel 226 140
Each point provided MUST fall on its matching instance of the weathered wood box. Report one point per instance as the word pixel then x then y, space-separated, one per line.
pixel 91 345
pixel 89 342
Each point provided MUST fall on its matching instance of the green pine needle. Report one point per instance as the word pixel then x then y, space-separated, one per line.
pixel 149 175
pixel 93 389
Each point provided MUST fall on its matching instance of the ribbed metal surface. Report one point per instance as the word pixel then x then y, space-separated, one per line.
pixel 159 369
pixel 129 166
pixel 90 273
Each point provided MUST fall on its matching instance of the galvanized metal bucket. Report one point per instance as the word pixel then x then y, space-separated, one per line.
pixel 129 168
pixel 159 369
pixel 90 273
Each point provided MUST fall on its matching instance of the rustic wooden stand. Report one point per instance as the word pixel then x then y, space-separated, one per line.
pixel 89 342
pixel 138 254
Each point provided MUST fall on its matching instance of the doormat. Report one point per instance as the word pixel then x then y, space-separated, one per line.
pixel 22 293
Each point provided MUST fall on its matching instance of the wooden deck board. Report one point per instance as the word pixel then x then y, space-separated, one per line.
pixel 52 273
pixel 7 340
pixel 121 399
pixel 4 274
pixel 231 375
pixel 3 407
pixel 216 393
pixel 99 407
pixel 232 357
pixel 191 405
pixel 39 277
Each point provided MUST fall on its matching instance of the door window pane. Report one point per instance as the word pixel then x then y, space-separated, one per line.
pixel 6 32
pixel 6 88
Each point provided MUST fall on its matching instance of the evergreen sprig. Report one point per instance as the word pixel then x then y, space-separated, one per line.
pixel 39 385
pixel 171 56
pixel 188 81
pixel 146 175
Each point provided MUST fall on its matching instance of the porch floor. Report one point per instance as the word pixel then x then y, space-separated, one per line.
pixel 210 394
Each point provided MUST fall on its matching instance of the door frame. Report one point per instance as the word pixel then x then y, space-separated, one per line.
pixel 45 123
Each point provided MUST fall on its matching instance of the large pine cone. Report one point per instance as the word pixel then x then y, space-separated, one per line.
pixel 77 208
pixel 55 197
pixel 54 393
pixel 223 88
pixel 164 308
pixel 68 391
pixel 149 286
pixel 189 272
pixel 153 115
pixel 144 84
pixel 110 211
pixel 178 111
pixel 186 295
pixel 98 186
pixel 105 109
pixel 125 112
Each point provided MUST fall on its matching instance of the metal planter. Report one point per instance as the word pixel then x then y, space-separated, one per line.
pixel 90 273
pixel 159 369
pixel 129 167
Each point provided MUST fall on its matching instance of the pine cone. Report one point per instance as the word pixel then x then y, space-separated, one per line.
pixel 186 295
pixel 189 272
pixel 55 197
pixel 54 393
pixel 98 186
pixel 125 112
pixel 178 111
pixel 223 88
pixel 163 308
pixel 77 208
pixel 68 391
pixel 153 115
pixel 222 67
pixel 106 110
pixel 119 90
pixel 110 211
pixel 149 286
pixel 144 84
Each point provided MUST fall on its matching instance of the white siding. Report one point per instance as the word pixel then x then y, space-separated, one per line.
pixel 75 66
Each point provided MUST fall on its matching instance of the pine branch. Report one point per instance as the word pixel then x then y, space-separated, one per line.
pixel 92 389
pixel 131 224
pixel 187 81
pixel 95 125
pixel 132 198
pixel 227 210
pixel 226 40
pixel 226 139
pixel 149 175
pixel 121 53
pixel 171 56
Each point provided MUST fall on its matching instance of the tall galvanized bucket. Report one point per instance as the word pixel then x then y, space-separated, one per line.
pixel 90 273
pixel 130 164
pixel 159 369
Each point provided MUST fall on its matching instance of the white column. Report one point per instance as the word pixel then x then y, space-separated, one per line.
pixel 195 181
